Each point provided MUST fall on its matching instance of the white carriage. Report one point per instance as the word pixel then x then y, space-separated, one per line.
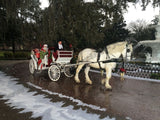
pixel 55 61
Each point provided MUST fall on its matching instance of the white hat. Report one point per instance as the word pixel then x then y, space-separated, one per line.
pixel 45 45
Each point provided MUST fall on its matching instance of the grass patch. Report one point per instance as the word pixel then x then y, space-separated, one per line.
pixel 18 55
pixel 1 54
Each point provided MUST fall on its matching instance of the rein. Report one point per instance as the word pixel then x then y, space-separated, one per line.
pixel 124 60
pixel 98 57
pixel 108 59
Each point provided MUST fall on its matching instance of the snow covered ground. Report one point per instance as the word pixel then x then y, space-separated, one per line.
pixel 19 97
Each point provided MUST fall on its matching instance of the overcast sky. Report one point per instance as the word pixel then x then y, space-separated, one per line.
pixel 134 12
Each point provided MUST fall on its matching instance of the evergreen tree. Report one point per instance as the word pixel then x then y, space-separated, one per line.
pixel 15 15
pixel 24 25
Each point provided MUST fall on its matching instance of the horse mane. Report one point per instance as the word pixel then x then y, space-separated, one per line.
pixel 117 44
pixel 110 46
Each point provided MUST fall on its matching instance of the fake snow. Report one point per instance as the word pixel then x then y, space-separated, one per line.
pixel 19 97
pixel 70 98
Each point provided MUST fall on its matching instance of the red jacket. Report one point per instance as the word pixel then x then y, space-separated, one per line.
pixel 122 70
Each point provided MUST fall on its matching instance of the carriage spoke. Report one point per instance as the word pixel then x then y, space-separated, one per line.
pixel 31 66
pixel 54 72
pixel 69 71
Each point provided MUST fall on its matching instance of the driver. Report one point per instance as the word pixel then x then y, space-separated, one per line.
pixel 60 46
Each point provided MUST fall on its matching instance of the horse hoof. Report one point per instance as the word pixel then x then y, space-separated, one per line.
pixel 103 88
pixel 109 89
pixel 77 81
pixel 103 81
pixel 89 82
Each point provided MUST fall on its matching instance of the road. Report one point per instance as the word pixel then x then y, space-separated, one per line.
pixel 130 99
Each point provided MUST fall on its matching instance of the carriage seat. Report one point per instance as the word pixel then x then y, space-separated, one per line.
pixel 36 52
pixel 62 56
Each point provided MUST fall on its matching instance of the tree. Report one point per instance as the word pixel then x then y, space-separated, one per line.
pixel 155 20
pixel 85 24
pixel 140 30
pixel 3 24
pixel 117 32
pixel 15 14
pixel 72 21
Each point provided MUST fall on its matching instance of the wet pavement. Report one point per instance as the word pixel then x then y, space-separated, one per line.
pixel 129 99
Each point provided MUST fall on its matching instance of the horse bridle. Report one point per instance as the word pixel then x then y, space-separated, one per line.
pixel 128 50
pixel 108 57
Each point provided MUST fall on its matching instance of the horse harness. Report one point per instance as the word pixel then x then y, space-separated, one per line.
pixel 98 57
pixel 108 57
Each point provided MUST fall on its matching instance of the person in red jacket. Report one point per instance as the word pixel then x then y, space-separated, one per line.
pixel 122 72
pixel 43 52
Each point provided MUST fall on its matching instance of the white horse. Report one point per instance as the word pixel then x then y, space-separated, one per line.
pixel 112 51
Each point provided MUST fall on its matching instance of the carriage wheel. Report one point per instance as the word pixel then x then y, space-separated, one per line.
pixel 54 72
pixel 69 71
pixel 31 66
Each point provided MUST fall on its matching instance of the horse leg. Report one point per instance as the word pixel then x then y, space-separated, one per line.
pixel 86 75
pixel 77 73
pixel 108 76
pixel 122 76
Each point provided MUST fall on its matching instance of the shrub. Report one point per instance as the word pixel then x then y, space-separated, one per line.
pixel 8 55
pixel 16 55
pixel 21 55
pixel 155 75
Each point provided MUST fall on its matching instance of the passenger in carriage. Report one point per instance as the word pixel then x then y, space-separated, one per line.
pixel 65 45
pixel 60 46
pixel 43 52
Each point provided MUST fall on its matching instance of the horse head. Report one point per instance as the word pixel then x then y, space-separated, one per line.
pixel 127 51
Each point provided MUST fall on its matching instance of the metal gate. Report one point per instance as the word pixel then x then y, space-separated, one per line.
pixel 144 70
